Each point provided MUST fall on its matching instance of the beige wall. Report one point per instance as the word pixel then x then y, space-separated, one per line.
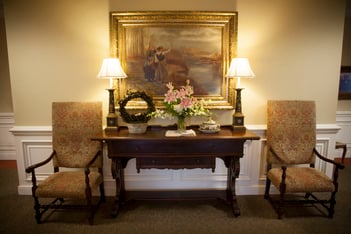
pixel 345 105
pixel 346 54
pixel 55 51
pixel 5 88
pixel 56 47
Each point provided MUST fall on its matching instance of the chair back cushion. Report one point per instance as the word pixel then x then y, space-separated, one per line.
pixel 73 125
pixel 291 131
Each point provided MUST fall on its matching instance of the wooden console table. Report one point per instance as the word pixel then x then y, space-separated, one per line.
pixel 154 150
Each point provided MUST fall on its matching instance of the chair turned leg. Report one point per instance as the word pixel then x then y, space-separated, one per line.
pixel 331 209
pixel 281 201
pixel 102 193
pixel 280 212
pixel 91 213
pixel 268 185
pixel 90 207
pixel 91 218
pixel 37 210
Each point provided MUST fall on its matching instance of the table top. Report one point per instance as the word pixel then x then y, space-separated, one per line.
pixel 159 133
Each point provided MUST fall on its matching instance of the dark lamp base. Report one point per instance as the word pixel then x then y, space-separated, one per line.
pixel 239 128
pixel 238 117
pixel 111 121
pixel 111 129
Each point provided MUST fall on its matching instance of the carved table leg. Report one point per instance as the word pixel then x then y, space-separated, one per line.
pixel 233 173
pixel 117 173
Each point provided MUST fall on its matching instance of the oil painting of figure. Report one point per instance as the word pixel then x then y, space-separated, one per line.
pixel 158 55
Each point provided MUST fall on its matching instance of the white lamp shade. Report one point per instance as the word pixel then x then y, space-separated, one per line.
pixel 111 68
pixel 240 67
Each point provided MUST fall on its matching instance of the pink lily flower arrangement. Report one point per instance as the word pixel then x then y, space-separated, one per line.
pixel 181 103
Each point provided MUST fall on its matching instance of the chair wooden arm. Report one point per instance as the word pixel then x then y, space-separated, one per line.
pixel 283 166
pixel 32 167
pixel 93 159
pixel 338 165
pixel 342 146
pixel 87 172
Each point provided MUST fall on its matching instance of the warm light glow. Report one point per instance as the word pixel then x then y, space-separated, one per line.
pixel 111 69
pixel 240 67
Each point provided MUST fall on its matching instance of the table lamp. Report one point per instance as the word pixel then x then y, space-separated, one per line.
pixel 239 67
pixel 111 69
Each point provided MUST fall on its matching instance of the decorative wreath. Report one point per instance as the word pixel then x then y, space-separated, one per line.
pixel 138 117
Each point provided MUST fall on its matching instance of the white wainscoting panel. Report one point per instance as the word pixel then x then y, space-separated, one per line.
pixel 7 141
pixel 343 119
pixel 33 144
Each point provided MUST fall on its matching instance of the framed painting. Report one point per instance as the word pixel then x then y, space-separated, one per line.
pixel 174 46
pixel 345 83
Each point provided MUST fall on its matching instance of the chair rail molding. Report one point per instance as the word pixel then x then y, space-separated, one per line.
pixel 7 142
pixel 343 117
pixel 33 144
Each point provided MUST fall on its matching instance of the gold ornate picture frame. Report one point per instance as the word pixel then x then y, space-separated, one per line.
pixel 345 83
pixel 157 47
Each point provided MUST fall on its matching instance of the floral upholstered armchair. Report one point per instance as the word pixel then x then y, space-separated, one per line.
pixel 73 123
pixel 291 140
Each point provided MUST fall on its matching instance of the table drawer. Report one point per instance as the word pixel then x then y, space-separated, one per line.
pixel 174 147
pixel 176 162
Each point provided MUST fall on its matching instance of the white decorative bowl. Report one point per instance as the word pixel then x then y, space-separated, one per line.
pixel 137 128
pixel 210 125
